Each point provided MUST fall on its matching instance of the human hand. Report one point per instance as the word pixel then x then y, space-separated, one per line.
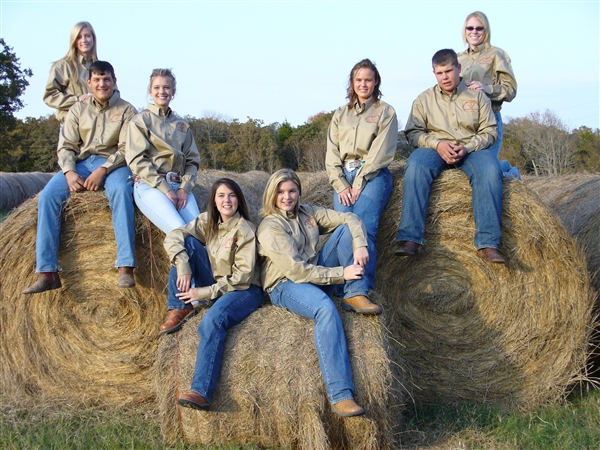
pixel 94 181
pixel 353 272
pixel 475 85
pixel 75 181
pixel 173 197
pixel 189 296
pixel 361 256
pixel 354 195
pixel 345 197
pixel 447 150
pixel 182 196
pixel 184 282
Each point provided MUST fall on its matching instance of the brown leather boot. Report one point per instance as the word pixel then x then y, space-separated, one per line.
pixel 126 279
pixel 407 248
pixel 175 320
pixel 194 400
pixel 347 408
pixel 491 255
pixel 361 304
pixel 45 282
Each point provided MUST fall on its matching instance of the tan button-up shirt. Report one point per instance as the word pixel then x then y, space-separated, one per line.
pixel 92 129
pixel 158 143
pixel 490 65
pixel 65 85
pixel 232 254
pixel 464 118
pixel 288 245
pixel 367 132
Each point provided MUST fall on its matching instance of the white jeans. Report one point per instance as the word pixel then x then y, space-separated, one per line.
pixel 157 207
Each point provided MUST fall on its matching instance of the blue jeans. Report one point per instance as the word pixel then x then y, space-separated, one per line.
pixel 483 169
pixel 369 208
pixel 313 302
pixel 118 187
pixel 495 149
pixel 227 311
pixel 157 207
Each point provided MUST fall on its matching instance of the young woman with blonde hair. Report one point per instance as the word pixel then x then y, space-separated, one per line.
pixel 67 82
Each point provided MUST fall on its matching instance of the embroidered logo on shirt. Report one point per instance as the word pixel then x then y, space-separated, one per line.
pixel 486 61
pixel 310 222
pixel 471 105
pixel 118 117
pixel 231 243
pixel 182 126
pixel 373 119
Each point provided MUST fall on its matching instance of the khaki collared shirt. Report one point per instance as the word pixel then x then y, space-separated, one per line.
pixel 158 143
pixel 92 129
pixel 65 85
pixel 490 65
pixel 288 245
pixel 367 132
pixel 232 254
pixel 464 118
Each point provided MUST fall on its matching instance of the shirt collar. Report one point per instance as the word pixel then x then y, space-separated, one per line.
pixel 230 223
pixel 360 108
pixel 457 90
pixel 158 111
pixel 111 101
pixel 479 49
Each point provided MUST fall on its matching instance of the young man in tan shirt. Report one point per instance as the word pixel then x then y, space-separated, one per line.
pixel 451 126
pixel 91 157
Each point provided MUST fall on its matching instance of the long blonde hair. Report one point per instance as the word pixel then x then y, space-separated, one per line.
pixel 270 194
pixel 71 56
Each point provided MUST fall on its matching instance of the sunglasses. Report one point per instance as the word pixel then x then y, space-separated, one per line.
pixel 475 28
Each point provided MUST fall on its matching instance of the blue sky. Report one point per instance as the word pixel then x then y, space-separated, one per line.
pixel 278 60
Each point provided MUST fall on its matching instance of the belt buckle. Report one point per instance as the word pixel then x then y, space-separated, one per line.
pixel 172 177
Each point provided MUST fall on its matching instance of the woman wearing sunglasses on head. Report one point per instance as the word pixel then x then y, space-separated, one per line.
pixel 487 68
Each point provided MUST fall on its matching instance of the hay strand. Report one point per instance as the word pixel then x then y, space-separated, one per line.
pixel 271 392
pixel 515 336
pixel 15 188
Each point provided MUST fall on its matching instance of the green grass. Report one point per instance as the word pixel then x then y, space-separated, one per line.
pixel 574 424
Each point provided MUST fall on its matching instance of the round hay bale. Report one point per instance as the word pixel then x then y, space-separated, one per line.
pixel 89 342
pixel 576 200
pixel 271 392
pixel 513 335
pixel 15 188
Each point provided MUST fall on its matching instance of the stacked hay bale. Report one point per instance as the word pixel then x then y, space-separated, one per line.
pixel 271 392
pixel 516 335
pixel 15 188
pixel 576 200
pixel 89 342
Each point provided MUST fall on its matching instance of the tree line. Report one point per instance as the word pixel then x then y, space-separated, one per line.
pixel 539 144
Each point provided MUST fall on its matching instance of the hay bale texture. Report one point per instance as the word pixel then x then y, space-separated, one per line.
pixel 89 342
pixel 271 392
pixel 513 335
pixel 15 188
pixel 576 200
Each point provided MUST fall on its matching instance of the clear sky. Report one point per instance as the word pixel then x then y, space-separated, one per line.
pixel 278 60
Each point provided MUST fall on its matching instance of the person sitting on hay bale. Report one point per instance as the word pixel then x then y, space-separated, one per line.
pixel 91 156
pixel 450 126
pixel 223 272
pixel 299 278
pixel 162 154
